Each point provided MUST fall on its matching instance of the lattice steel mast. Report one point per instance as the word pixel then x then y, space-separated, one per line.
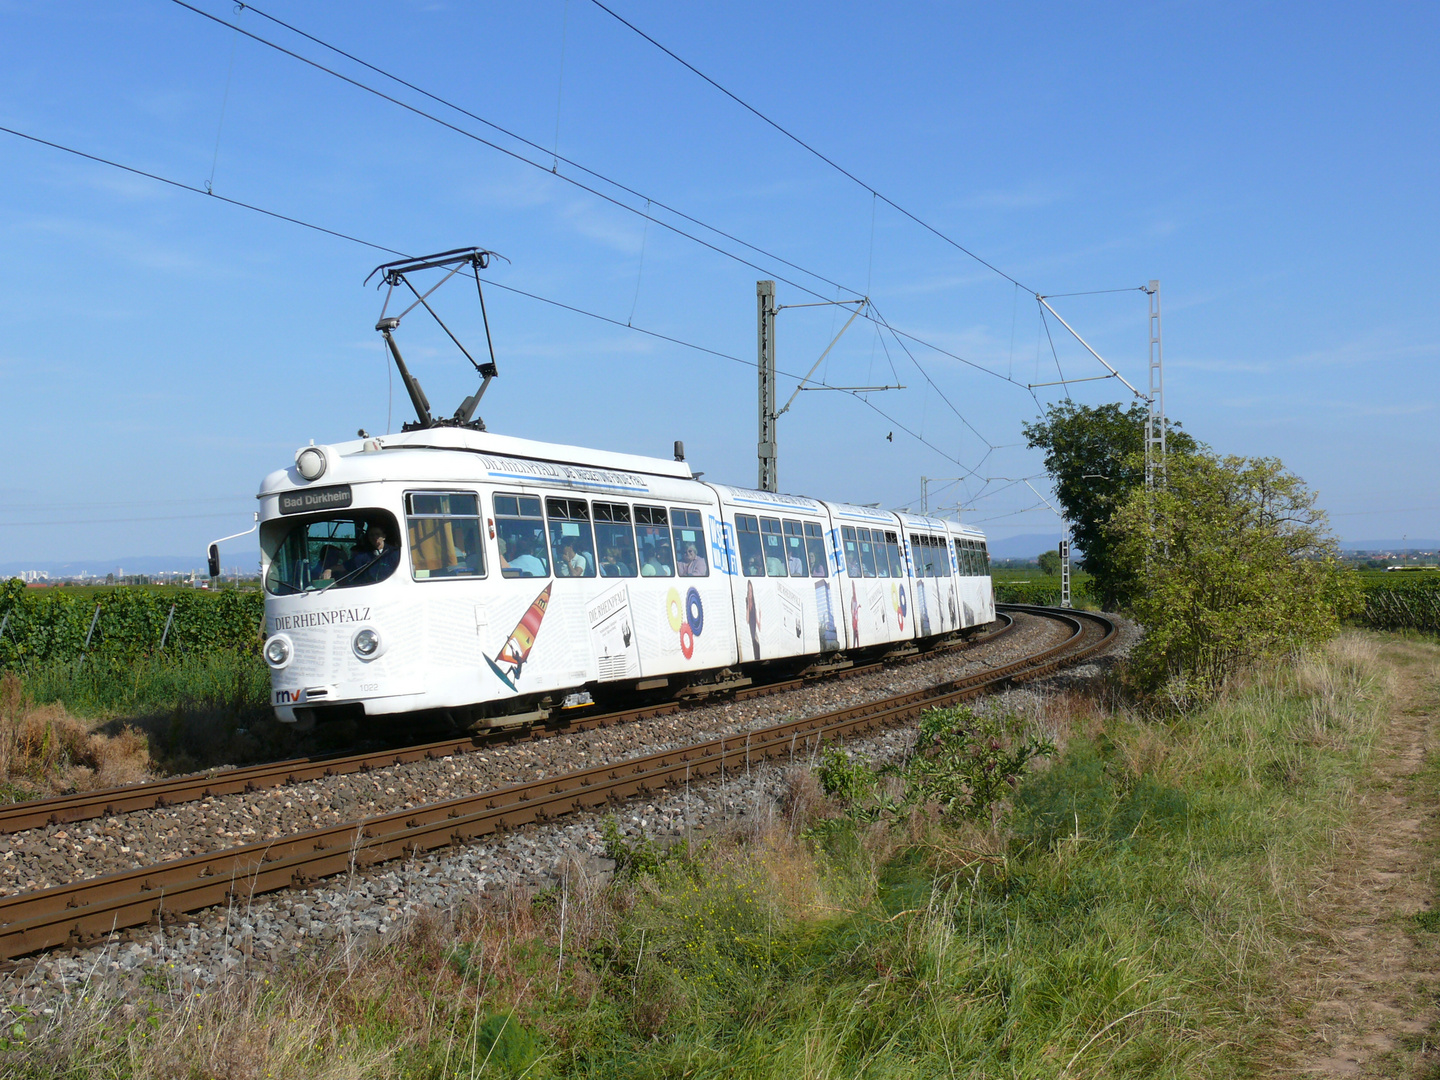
pixel 1155 417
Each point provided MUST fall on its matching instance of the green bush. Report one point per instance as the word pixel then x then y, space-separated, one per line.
pixel 1231 563
pixel 968 762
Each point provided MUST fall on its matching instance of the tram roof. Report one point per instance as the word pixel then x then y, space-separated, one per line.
pixel 486 442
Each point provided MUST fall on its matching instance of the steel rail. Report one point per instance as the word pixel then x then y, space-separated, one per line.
pixel 82 912
pixel 157 794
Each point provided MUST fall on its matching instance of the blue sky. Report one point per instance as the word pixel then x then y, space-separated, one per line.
pixel 1274 166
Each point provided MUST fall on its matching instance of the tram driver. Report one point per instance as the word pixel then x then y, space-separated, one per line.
pixel 372 557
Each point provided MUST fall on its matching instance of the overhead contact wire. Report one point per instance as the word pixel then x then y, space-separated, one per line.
pixel 201 191
pixel 508 288
pixel 802 143
pixel 568 179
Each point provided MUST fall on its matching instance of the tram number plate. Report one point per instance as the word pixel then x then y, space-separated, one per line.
pixel 336 497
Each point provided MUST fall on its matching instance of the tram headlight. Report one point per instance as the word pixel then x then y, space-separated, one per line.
pixel 278 651
pixel 311 462
pixel 366 644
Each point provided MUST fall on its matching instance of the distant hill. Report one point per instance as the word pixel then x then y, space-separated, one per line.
pixel 1408 543
pixel 1025 546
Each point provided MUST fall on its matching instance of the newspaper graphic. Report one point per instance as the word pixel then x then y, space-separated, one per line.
pixel 791 619
pixel 612 635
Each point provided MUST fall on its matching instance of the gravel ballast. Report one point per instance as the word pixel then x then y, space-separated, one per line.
pixel 355 910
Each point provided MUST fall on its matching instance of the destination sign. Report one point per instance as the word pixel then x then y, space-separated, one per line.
pixel 336 497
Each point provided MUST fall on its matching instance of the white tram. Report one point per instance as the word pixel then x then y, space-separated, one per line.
pixel 452 571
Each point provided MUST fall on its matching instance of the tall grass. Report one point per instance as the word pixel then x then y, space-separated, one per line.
pixel 225 682
pixel 1137 912
pixel 98 721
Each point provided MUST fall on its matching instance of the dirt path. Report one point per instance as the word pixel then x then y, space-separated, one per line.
pixel 1373 974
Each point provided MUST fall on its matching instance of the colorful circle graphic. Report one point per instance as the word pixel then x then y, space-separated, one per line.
pixel 694 612
pixel 673 610
pixel 687 641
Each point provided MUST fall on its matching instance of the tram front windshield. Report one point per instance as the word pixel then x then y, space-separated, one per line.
pixel 331 552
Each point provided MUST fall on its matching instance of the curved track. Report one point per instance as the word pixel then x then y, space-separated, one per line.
pixel 81 912
pixel 85 805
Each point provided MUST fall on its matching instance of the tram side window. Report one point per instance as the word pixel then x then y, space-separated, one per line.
pixel 962 556
pixel 867 552
pixel 917 554
pixel 815 549
pixel 520 529
pixel 615 540
pixel 652 531
pixel 852 550
pixel 892 552
pixel 444 530
pixel 774 542
pixel 942 556
pixel 571 538
pixel 882 558
pixel 984 558
pixel 926 567
pixel 795 560
pixel 976 567
pixel 752 551
pixel 330 553
pixel 689 533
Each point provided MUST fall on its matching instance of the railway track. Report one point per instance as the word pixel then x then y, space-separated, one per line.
pixel 82 912
pixel 86 805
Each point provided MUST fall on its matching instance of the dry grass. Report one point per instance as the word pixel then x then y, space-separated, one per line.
pixel 44 750
pixel 243 1030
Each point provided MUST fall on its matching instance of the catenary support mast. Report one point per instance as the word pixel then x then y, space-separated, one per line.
pixel 766 449
pixel 1155 418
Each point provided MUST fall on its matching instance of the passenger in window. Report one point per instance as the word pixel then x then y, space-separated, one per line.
pixel 504 562
pixel 797 564
pixel 774 565
pixel 691 565
pixel 571 563
pixel 655 544
pixel 527 564
pixel 611 566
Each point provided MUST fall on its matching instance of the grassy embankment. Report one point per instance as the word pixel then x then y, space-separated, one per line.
pixel 1136 912
pixel 68 725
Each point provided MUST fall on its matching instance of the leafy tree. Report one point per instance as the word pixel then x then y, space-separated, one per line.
pixel 1232 563
pixel 1095 457
pixel 1049 562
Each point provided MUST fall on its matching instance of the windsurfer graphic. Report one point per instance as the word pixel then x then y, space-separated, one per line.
pixel 516 649
pixel 854 616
